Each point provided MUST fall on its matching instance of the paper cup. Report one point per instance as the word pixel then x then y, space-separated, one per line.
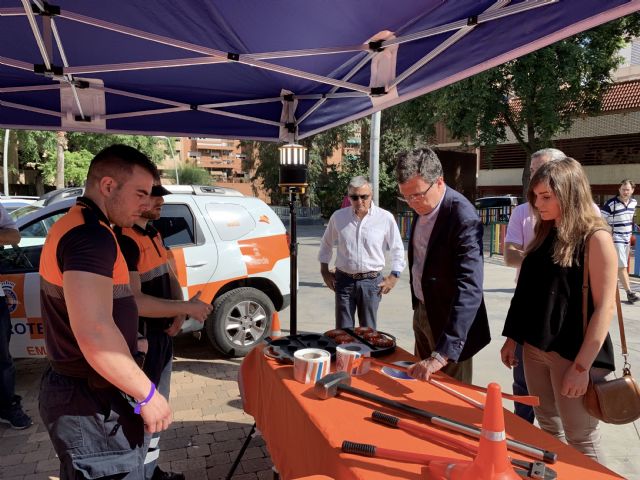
pixel 310 364
pixel 346 356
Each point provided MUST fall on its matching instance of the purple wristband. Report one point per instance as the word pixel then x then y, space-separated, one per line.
pixel 141 404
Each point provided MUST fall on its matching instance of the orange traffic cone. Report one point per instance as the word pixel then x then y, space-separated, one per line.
pixel 492 461
pixel 275 326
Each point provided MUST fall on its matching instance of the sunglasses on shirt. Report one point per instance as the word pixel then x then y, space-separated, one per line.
pixel 361 197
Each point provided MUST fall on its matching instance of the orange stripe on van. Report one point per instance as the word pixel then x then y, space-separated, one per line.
pixel 181 265
pixel 261 254
pixel 209 290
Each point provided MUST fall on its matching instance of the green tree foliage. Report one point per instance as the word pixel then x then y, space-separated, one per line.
pixel 37 152
pixel 189 175
pixel 553 87
pixel 76 165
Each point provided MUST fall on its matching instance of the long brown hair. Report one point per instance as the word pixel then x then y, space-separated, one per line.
pixel 578 216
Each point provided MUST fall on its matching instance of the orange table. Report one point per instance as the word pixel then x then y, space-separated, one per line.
pixel 304 433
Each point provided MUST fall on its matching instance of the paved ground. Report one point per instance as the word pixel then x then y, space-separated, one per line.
pixel 210 425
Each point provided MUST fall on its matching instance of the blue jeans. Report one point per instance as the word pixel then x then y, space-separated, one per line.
pixel 93 430
pixel 157 366
pixel 520 388
pixel 363 295
pixel 7 368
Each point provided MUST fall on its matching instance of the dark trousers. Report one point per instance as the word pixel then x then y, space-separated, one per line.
pixel 7 368
pixel 363 295
pixel 157 366
pixel 520 388
pixel 93 430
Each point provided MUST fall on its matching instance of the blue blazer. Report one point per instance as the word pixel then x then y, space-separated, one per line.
pixel 452 279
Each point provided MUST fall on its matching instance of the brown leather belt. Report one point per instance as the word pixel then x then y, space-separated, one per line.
pixel 360 276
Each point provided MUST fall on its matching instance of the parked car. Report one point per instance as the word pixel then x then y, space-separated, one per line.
pixel 13 202
pixel 232 248
pixel 496 209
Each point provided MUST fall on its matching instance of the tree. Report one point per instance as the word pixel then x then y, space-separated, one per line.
pixel 535 96
pixel 191 176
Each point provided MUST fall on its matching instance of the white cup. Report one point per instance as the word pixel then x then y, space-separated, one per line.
pixel 346 356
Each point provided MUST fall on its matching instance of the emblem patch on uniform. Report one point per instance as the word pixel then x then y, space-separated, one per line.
pixel 10 295
pixel 264 219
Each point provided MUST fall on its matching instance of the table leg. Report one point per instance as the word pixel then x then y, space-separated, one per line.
pixel 241 453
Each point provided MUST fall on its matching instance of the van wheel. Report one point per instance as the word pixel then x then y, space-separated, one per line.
pixel 241 318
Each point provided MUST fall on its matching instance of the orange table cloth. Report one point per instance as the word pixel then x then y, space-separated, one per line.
pixel 304 434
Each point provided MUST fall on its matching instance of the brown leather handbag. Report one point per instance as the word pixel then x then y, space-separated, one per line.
pixel 617 400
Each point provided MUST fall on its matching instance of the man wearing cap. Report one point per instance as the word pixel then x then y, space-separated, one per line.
pixel 161 308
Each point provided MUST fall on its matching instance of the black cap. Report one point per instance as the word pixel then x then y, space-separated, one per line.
pixel 159 191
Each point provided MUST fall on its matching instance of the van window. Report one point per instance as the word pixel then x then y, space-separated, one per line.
pixel 230 221
pixel 176 225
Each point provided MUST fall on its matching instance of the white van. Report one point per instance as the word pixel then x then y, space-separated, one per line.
pixel 232 248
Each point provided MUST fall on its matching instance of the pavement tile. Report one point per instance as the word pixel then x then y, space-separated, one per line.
pixel 196 451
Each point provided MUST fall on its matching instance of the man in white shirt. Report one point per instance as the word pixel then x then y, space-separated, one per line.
pixel 519 235
pixel 11 411
pixel 619 212
pixel 361 232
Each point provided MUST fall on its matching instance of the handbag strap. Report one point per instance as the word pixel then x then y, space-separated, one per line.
pixel 585 303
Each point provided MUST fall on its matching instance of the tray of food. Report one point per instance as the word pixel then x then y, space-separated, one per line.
pixel 283 348
pixel 380 343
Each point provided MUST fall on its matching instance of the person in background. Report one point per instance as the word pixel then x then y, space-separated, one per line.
pixel 519 235
pixel 546 309
pixel 362 233
pixel 619 212
pixel 450 322
pixel 161 307
pixel 11 411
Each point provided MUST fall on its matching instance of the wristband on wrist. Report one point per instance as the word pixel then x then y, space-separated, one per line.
pixel 139 405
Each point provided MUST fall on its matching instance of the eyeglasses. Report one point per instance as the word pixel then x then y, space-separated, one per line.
pixel 415 196
pixel 361 197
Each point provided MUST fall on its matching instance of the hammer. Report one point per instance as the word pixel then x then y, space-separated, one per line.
pixel 333 384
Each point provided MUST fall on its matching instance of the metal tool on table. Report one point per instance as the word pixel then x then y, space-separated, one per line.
pixel 530 400
pixel 340 382
pixel 532 469
pixel 537 470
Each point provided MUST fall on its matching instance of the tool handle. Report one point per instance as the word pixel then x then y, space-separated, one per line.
pixel 368 450
pixel 470 430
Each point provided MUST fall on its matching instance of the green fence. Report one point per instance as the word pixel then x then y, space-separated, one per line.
pixel 404 223
pixel 497 232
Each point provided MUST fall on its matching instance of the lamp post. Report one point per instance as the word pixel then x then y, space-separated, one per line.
pixel 173 155
pixel 5 161
pixel 293 180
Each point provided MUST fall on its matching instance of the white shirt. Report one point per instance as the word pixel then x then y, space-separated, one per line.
pixel 420 239
pixel 5 222
pixel 361 242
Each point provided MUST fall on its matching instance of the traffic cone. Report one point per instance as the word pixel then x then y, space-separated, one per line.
pixel 275 326
pixel 492 461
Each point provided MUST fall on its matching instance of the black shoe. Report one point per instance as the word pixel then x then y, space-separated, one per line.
pixel 632 297
pixel 158 474
pixel 15 416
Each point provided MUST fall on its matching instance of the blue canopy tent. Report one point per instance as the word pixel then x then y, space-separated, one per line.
pixel 268 70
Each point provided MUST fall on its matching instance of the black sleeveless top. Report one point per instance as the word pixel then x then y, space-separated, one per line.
pixel 546 308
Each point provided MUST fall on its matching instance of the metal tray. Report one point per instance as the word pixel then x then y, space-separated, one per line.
pixel 282 349
pixel 375 350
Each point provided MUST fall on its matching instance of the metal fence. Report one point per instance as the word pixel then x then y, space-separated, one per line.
pixel 495 214
pixel 301 212
pixel 404 223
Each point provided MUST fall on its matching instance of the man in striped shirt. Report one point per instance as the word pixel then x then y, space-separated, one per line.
pixel 618 212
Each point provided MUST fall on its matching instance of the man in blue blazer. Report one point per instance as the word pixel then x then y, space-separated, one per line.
pixel 446 270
